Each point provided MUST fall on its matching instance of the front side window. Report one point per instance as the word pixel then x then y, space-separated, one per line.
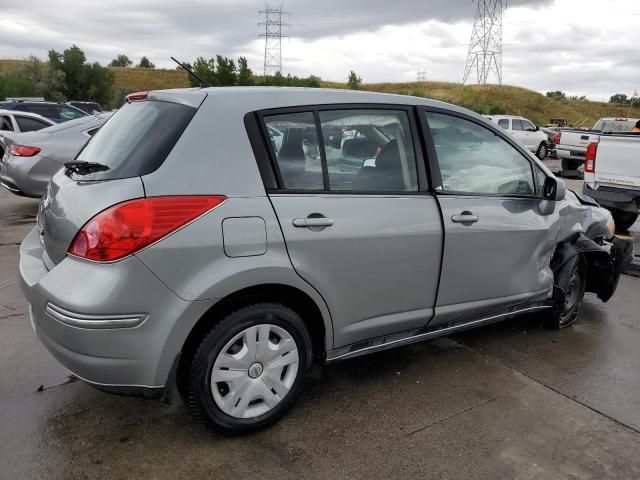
pixel 294 142
pixel 369 150
pixel 473 159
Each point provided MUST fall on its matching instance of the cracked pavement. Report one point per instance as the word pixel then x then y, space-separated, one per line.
pixel 511 400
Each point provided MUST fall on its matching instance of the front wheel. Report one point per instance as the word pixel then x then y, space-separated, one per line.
pixel 249 368
pixel 542 152
pixel 623 220
pixel 572 280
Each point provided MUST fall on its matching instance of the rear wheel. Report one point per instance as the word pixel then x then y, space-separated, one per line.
pixel 542 151
pixel 249 368
pixel 573 281
pixel 624 220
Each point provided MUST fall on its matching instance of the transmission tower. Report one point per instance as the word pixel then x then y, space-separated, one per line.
pixel 422 75
pixel 272 38
pixel 485 47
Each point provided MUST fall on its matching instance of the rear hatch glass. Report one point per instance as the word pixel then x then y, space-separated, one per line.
pixel 137 139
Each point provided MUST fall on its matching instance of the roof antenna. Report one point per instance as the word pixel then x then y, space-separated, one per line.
pixel 184 67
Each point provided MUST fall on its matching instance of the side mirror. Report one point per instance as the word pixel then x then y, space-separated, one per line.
pixel 554 189
pixel 537 129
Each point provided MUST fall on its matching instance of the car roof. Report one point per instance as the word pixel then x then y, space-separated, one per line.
pixel 261 98
pixel 507 117
pixel 20 113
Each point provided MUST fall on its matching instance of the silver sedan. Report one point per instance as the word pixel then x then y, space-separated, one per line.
pixel 32 158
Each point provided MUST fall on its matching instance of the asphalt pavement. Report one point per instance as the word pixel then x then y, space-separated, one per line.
pixel 513 400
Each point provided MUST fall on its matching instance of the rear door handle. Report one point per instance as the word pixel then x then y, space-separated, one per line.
pixel 313 222
pixel 465 217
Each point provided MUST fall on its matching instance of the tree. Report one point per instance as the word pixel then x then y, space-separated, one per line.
pixel 225 71
pixel 245 75
pixel 557 95
pixel 82 80
pixel 619 98
pixel 354 82
pixel 121 61
pixel 205 69
pixel 145 63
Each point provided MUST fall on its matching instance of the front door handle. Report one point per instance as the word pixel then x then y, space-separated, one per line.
pixel 313 222
pixel 465 217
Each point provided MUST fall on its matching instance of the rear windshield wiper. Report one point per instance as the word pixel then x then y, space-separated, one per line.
pixel 84 168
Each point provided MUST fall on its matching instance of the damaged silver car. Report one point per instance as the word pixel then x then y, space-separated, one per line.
pixel 212 240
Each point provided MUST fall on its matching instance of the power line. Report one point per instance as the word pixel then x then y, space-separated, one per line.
pixel 485 48
pixel 272 38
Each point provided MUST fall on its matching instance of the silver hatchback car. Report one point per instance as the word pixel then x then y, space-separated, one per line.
pixel 189 246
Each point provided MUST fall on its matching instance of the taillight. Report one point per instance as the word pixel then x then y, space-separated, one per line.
pixel 23 151
pixel 557 137
pixel 590 158
pixel 137 96
pixel 130 226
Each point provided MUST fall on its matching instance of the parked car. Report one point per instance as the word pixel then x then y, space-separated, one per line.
pixel 12 121
pixel 89 107
pixel 58 112
pixel 612 175
pixel 525 131
pixel 31 158
pixel 571 144
pixel 181 248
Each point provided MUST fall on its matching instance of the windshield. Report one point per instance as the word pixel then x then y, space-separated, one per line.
pixel 615 125
pixel 137 139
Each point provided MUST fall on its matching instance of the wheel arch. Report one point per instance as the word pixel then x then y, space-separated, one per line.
pixel 301 302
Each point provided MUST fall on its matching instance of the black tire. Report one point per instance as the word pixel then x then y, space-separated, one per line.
pixel 624 220
pixel 572 280
pixel 542 152
pixel 200 398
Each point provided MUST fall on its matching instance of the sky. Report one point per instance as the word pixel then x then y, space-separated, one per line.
pixel 582 47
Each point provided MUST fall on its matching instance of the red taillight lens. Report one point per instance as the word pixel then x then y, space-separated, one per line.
pixel 23 151
pixel 137 96
pixel 557 137
pixel 590 158
pixel 130 226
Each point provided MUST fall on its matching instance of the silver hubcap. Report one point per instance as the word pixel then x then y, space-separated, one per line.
pixel 254 371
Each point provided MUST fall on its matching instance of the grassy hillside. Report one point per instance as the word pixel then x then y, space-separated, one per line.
pixel 481 98
pixel 507 100
pixel 148 79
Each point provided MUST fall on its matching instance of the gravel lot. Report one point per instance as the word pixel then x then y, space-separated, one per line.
pixel 507 401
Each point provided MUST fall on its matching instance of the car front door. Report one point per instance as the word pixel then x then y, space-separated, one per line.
pixel 497 242
pixel 369 240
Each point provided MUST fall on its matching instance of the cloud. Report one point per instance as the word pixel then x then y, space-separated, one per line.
pixel 573 45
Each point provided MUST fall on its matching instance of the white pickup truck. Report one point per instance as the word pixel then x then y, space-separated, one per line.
pixel 612 175
pixel 571 144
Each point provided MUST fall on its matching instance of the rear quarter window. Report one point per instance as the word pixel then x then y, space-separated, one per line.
pixel 137 139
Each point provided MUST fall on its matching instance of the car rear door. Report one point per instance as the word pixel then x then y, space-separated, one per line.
pixel 369 241
pixel 497 241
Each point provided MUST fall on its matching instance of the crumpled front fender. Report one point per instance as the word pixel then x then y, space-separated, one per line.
pixel 605 262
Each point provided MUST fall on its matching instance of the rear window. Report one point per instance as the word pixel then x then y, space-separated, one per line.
pixel 136 139
pixel 622 125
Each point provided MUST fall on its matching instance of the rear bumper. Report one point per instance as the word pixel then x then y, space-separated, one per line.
pixel 623 199
pixel 570 153
pixel 133 358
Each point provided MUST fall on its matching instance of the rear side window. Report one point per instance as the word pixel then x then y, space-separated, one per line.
pixel 137 138
pixel 45 110
pixel 504 123
pixel 27 124
pixel 5 123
